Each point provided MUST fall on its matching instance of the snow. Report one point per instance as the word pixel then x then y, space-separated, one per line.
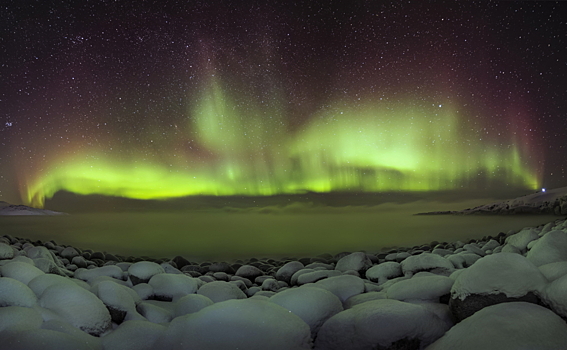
pixel 424 288
pixel 379 323
pixel 173 286
pixel 133 335
pixel 15 293
pixel 77 306
pixel 43 339
pixel 426 262
pixel 20 271
pixel 343 287
pixel 250 324
pixel 90 274
pixel 6 252
pixel 285 272
pixel 554 270
pixel 552 247
pixel 313 305
pixel 14 318
pixel 154 313
pixel 42 282
pixel 115 295
pixel 508 273
pixel 364 297
pixel 521 239
pixel 312 277
pixel 382 272
pixel 507 326
pixel 143 271
pixel 191 303
pixel 220 291
pixel 555 296
pixel 356 261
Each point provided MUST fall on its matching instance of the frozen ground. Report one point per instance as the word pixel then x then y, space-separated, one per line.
pixel 503 292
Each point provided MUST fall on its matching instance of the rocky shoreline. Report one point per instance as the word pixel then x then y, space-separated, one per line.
pixel 443 295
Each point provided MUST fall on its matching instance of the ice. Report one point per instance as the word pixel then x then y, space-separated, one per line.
pixel 508 273
pixel 313 305
pixel 220 291
pixel 550 248
pixel 378 324
pixel 77 306
pixel 249 324
pixel 15 293
pixel 507 326
pixel 133 335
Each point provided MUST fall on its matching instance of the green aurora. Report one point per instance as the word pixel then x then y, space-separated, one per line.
pixel 250 148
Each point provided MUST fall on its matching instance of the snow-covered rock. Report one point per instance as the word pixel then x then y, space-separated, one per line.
pixel 15 318
pixel 249 272
pixel 20 271
pixel 15 293
pixel 343 287
pixel 6 252
pixel 555 296
pixel 554 270
pixel 364 297
pixel 285 272
pixel 507 326
pixel 168 286
pixel 356 261
pixel 550 248
pixel 133 335
pixel 381 273
pixel 493 279
pixel 142 271
pixel 313 305
pixel 77 306
pixel 424 288
pixel 251 324
pixel 88 275
pixel 379 324
pixel 521 239
pixel 427 262
pixel 191 303
pixel 220 291
pixel 44 339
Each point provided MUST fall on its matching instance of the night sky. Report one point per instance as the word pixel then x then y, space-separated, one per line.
pixel 161 99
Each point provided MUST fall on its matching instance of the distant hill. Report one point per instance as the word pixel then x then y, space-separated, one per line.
pixel 542 202
pixel 8 209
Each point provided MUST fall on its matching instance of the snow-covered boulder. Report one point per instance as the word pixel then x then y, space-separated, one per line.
pixel 191 303
pixel 133 335
pixel 507 326
pixel 44 339
pixel 555 296
pixel 220 291
pixel 314 276
pixel 554 270
pixel 358 262
pixel 380 324
pixel 381 273
pixel 251 324
pixel 313 305
pixel 89 275
pixel 364 297
pixel 15 318
pixel 550 248
pixel 42 282
pixel 15 293
pixel 155 311
pixel 20 271
pixel 6 252
pixel 426 262
pixel 423 288
pixel 77 306
pixel 343 287
pixel 168 286
pixel 285 272
pixel 521 239
pixel 494 279
pixel 142 271
pixel 249 272
pixel 117 298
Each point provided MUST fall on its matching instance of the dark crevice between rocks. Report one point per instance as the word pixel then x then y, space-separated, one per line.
pixel 403 344
pixel 116 315
pixel 462 309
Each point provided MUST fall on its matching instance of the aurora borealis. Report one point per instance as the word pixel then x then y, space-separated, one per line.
pixel 175 99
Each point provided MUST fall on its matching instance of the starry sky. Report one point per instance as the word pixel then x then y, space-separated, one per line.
pixel 164 99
